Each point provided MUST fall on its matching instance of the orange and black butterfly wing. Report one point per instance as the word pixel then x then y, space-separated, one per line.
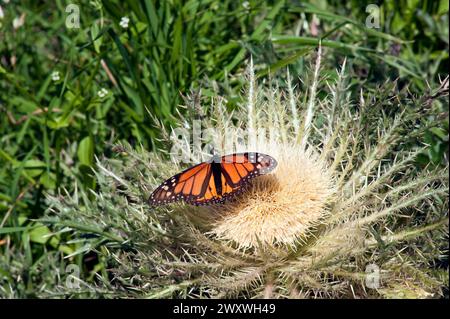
pixel 188 185
pixel 213 193
pixel 218 188
pixel 213 182
pixel 235 171
pixel 241 167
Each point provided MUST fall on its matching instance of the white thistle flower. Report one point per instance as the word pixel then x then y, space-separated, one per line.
pixel 124 22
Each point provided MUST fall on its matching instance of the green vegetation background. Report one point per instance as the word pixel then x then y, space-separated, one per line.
pixel 53 125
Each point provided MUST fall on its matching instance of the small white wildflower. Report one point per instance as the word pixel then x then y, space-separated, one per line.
pixel 246 5
pixel 19 21
pixel 102 93
pixel 55 76
pixel 124 22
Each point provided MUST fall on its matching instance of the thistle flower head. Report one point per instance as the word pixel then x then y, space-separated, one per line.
pixel 283 207
pixel 346 196
pixel 279 208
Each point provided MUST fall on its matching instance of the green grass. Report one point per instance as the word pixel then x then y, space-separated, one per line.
pixel 51 131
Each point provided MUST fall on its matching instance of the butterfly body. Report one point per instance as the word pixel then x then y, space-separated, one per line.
pixel 213 181
pixel 216 171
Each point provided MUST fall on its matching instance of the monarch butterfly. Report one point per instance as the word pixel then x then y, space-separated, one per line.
pixel 213 181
